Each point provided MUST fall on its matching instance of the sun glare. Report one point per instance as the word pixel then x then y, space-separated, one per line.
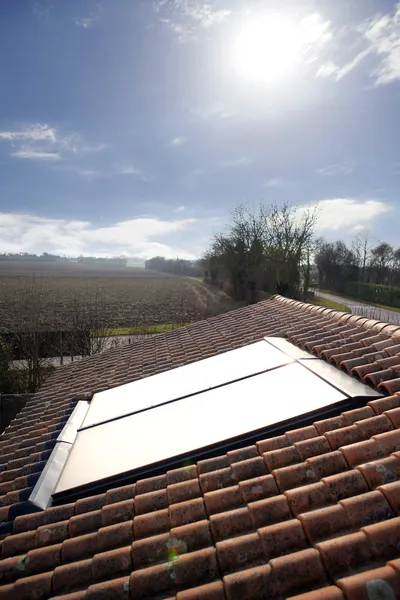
pixel 269 48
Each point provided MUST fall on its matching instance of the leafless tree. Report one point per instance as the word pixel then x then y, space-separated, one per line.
pixel 265 246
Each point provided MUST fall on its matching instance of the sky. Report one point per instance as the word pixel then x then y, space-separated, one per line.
pixel 134 127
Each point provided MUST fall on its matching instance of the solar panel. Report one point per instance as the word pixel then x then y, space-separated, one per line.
pixel 183 381
pixel 195 422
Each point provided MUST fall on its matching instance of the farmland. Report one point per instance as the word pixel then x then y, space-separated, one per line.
pixel 127 298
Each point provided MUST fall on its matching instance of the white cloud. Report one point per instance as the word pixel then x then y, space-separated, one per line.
pixel 187 17
pixel 331 69
pixel 34 133
pixel 179 209
pixel 383 34
pixel 213 112
pixel 42 142
pixel 91 20
pixel 41 11
pixel 328 69
pixel 30 153
pixel 242 161
pixel 142 237
pixel 349 214
pixel 274 183
pixel 178 141
pixel 378 37
pixel 337 169
pixel 128 170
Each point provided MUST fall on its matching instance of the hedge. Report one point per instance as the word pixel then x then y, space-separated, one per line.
pixel 371 292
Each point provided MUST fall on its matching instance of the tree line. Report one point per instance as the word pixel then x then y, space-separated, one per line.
pixel 362 261
pixel 174 266
pixel 274 249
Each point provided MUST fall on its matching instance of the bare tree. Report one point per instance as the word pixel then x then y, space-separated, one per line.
pixel 39 332
pixel 25 329
pixel 361 247
pixel 268 245
pixel 87 330
pixel 381 257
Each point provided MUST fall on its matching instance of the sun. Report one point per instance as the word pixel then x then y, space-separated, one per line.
pixel 269 47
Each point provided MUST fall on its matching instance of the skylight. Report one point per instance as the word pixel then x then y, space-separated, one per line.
pixel 189 412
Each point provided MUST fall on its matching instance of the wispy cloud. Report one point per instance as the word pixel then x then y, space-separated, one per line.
pixel 242 161
pixel 110 172
pixel 274 183
pixel 330 69
pixel 42 11
pixel 90 21
pixel 377 38
pixel 142 237
pixel 42 142
pixel 185 18
pixel 214 112
pixel 179 209
pixel 34 133
pixel 383 34
pixel 178 141
pixel 32 154
pixel 337 169
pixel 349 214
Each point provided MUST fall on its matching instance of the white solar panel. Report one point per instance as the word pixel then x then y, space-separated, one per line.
pixel 195 422
pixel 189 379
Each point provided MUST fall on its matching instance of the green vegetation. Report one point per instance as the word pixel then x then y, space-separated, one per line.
pixel 384 306
pixel 374 293
pixel 144 329
pixel 330 304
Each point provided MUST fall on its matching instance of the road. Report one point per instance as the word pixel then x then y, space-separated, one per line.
pixel 365 310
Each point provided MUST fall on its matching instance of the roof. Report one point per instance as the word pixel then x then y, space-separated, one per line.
pixel 314 509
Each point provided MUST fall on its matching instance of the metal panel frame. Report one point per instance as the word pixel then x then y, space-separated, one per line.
pixel 41 495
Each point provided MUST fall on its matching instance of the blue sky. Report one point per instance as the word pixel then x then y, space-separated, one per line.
pixel 134 126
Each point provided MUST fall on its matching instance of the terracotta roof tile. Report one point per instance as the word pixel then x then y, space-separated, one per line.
pixel 114 536
pixel 382 582
pixel 297 571
pixel 269 511
pixel 347 554
pixel 394 415
pixel 383 404
pixel 151 524
pixel 308 497
pixel 240 553
pixel 282 538
pixel 36 585
pixel 258 488
pixel 181 492
pixel 231 523
pixel 215 480
pixel 71 577
pixel 384 538
pixel 118 589
pixel 209 591
pixel 381 471
pixel 391 491
pixel 331 592
pixel 223 500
